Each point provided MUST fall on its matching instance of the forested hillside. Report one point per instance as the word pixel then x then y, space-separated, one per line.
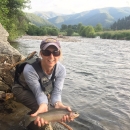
pixel 104 16
pixel 121 24
pixel 38 21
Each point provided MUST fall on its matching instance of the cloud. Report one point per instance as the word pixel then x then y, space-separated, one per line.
pixel 71 6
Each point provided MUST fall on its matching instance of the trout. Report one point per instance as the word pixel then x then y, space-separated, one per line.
pixel 52 115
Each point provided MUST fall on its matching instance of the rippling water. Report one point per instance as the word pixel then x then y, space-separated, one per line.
pixel 97 83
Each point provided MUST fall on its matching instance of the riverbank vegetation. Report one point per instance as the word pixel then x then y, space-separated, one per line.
pixel 79 30
pixel 12 17
pixel 116 35
pixel 42 31
pixel 16 22
pixel 99 31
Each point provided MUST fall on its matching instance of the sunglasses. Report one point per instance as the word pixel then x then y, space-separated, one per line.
pixel 48 53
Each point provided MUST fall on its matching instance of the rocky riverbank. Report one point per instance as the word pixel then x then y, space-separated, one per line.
pixel 11 112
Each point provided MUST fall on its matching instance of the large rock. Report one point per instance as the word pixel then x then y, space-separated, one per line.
pixel 11 112
pixel 8 57
pixel 3 34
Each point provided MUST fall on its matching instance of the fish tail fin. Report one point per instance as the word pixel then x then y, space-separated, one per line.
pixel 26 120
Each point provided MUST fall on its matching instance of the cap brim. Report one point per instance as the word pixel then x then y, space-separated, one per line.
pixel 49 44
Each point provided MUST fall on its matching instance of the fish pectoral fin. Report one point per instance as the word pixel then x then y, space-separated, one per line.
pixel 65 125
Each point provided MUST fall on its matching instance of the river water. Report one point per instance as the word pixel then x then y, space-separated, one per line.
pixel 97 83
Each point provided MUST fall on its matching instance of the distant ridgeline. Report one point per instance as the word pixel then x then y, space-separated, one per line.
pixel 105 16
pixel 38 21
pixel 102 23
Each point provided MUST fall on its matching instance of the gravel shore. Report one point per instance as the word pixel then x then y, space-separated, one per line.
pixel 62 38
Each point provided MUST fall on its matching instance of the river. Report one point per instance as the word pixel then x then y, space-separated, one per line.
pixel 97 83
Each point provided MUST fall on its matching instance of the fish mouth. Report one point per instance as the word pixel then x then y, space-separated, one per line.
pixel 74 115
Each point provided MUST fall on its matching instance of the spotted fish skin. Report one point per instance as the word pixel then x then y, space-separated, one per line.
pixel 52 115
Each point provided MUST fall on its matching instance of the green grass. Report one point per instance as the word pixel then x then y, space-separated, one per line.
pixel 118 34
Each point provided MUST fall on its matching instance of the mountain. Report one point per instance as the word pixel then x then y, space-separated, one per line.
pixel 38 21
pixel 47 15
pixel 105 16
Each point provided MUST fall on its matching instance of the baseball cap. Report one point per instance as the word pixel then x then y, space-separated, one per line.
pixel 49 41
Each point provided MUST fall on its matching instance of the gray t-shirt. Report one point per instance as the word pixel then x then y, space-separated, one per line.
pixel 32 80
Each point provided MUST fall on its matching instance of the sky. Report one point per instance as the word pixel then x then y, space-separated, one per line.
pixel 74 6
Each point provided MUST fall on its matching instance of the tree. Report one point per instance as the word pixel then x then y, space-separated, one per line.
pixel 70 31
pixel 32 30
pixel 69 26
pixel 13 18
pixel 79 26
pixel 54 32
pixel 121 24
pixel 44 31
pixel 90 31
pixel 4 12
pixel 87 31
pixel 98 28
pixel 75 28
pixel 64 27
pixel 82 31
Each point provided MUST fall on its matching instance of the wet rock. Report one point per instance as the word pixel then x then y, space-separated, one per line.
pixel 3 86
pixel 12 115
